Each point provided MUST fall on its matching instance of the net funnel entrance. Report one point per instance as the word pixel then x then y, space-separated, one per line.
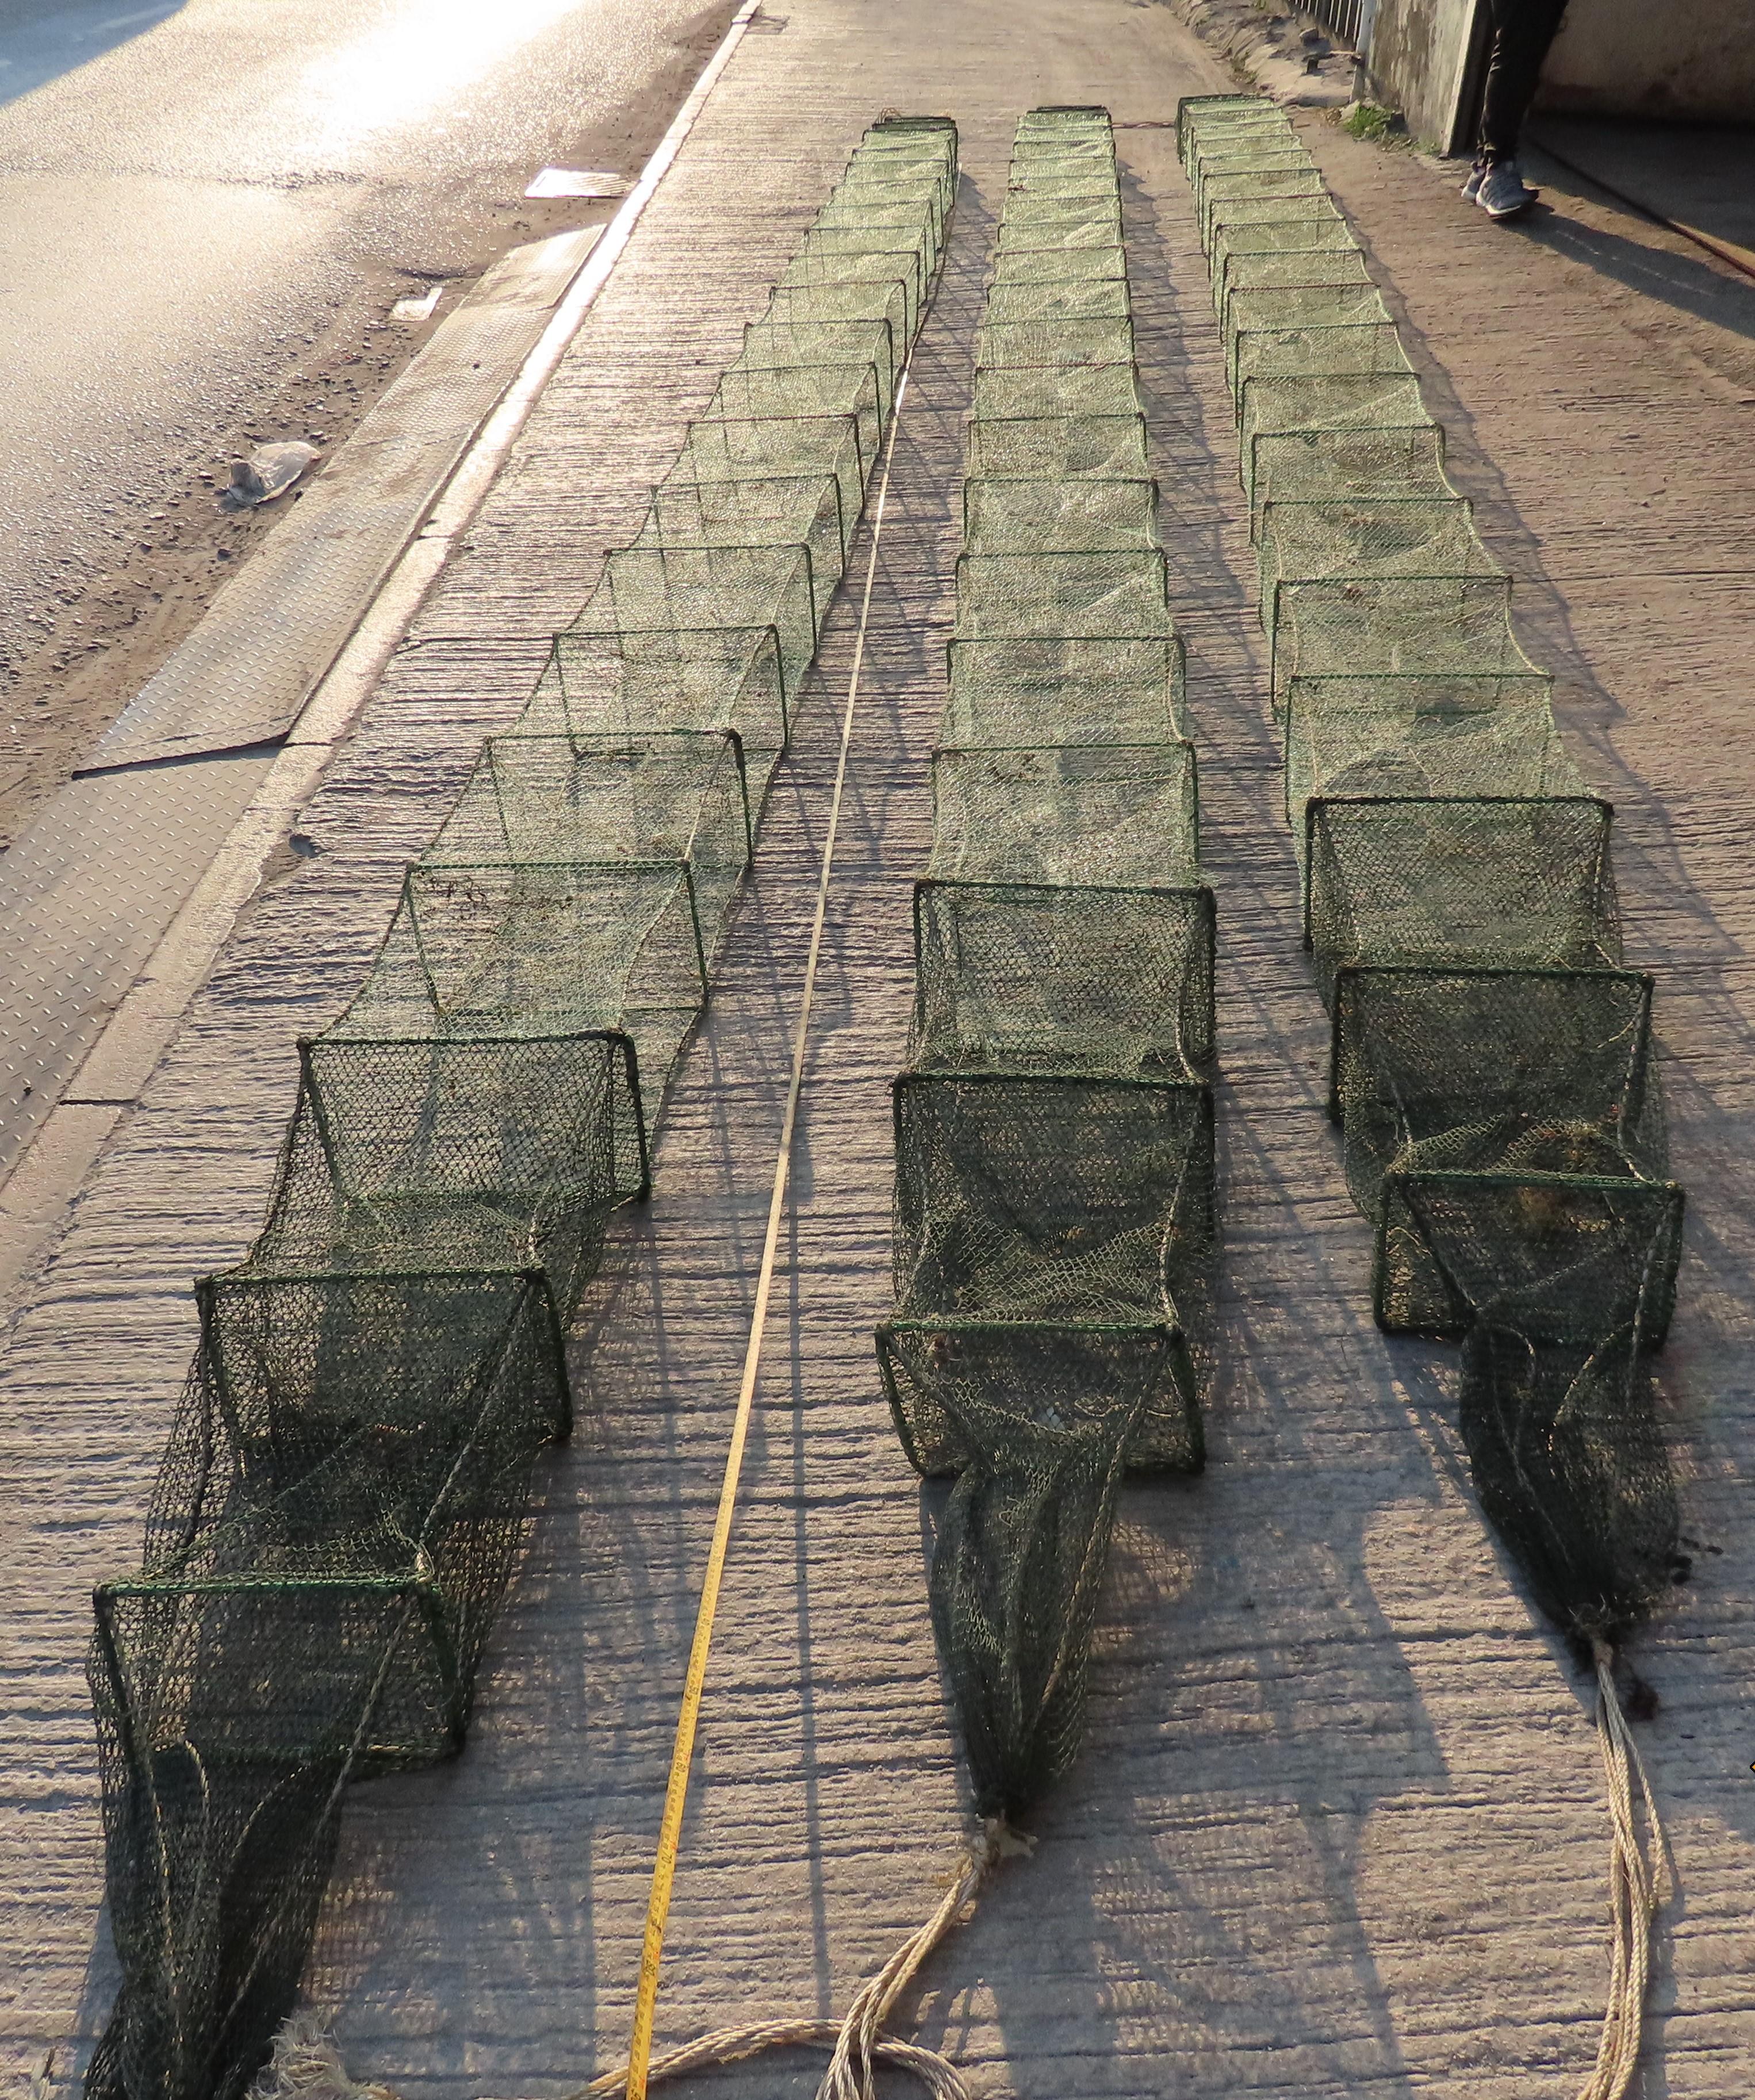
pixel 1488 1069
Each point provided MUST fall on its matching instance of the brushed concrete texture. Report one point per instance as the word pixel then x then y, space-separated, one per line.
pixel 1339 1827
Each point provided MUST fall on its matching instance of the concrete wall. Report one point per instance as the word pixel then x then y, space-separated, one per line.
pixel 1419 53
pixel 1692 60
pixel 1695 59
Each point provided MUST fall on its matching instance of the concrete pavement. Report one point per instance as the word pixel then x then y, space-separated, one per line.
pixel 1338 1825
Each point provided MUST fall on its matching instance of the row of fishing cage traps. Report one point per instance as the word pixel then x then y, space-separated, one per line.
pixel 1491 1060
pixel 1054 1214
pixel 337 1512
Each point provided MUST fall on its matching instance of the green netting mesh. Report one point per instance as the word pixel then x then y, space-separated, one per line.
pixel 1310 539
pixel 1413 736
pixel 794 511
pixel 1420 879
pixel 1058 340
pixel 1101 264
pixel 458 1155
pixel 1570 1464
pixel 1119 593
pixel 1074 1203
pixel 649 590
pixel 1557 1252
pixel 1307 311
pixel 1053 1132
pixel 1065 447
pixel 1107 813
pixel 1362 405
pixel 1368 629
pixel 1491 1070
pixel 1047 978
pixel 292 1366
pixel 288 1635
pixel 1012 392
pixel 1220 195
pixel 1313 248
pixel 1366 347
pixel 1093 299
pixel 342 1502
pixel 745 448
pixel 1493 1066
pixel 1012 514
pixel 1334 267
pixel 1043 691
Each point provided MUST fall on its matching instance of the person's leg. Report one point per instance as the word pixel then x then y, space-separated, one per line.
pixel 1522 30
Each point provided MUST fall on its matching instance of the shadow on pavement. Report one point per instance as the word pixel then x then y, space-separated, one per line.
pixel 44 39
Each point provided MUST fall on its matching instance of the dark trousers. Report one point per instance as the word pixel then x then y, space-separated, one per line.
pixel 1522 30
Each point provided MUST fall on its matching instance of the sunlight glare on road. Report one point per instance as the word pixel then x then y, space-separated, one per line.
pixel 412 65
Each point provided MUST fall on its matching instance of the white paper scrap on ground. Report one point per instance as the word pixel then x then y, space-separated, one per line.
pixel 418 306
pixel 575 183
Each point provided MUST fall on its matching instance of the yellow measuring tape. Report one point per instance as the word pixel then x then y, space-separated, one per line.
pixel 682 1755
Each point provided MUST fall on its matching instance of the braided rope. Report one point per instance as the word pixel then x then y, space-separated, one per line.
pixel 1637 1891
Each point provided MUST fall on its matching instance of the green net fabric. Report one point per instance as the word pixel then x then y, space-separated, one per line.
pixel 1023 1544
pixel 1408 735
pixel 1333 269
pixel 1493 1065
pixel 341 1502
pixel 1570 1463
pixel 310 1610
pixel 1062 977
pixel 1484 1069
pixel 1368 630
pixel 1320 539
pixel 1056 448
pixel 1039 689
pixel 1054 1147
pixel 1105 813
pixel 1424 879
pixel 1347 404
pixel 1044 1202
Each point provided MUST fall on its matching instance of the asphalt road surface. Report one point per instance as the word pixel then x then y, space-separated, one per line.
pixel 207 210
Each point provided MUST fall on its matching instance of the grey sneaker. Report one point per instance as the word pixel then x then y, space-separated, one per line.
pixel 1502 192
pixel 1471 188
